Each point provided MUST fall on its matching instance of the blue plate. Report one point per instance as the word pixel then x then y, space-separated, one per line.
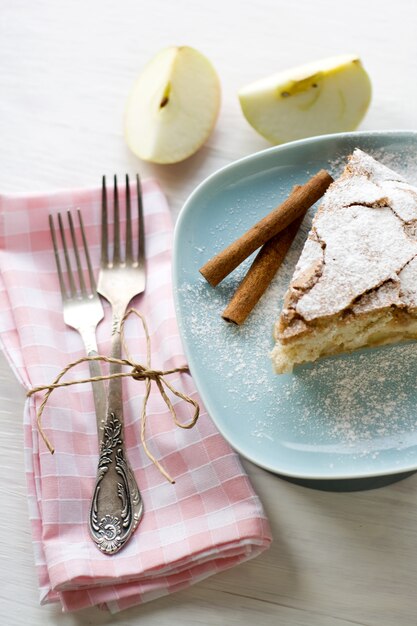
pixel 344 417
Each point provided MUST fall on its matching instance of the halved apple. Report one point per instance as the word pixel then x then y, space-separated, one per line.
pixel 173 106
pixel 327 96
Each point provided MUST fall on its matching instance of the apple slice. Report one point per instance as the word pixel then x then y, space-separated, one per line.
pixel 328 96
pixel 173 106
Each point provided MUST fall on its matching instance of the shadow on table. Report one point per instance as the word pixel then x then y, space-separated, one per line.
pixel 353 484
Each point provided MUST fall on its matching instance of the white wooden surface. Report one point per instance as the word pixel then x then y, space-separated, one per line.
pixel 65 71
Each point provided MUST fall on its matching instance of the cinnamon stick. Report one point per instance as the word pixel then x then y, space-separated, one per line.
pixel 301 199
pixel 260 274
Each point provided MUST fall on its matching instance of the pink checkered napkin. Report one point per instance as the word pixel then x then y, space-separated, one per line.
pixel 208 521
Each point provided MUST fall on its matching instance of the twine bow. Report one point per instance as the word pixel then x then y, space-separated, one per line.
pixel 138 372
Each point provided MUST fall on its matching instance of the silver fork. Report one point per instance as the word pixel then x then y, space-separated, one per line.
pixel 82 307
pixel 83 311
pixel 120 279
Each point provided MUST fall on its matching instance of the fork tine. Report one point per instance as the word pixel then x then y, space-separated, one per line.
pixel 66 256
pixel 87 254
pixel 104 244
pixel 57 260
pixel 83 289
pixel 129 257
pixel 116 224
pixel 141 234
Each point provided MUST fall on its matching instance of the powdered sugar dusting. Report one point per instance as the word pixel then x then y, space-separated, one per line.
pixel 365 247
pixel 360 224
pixel 350 406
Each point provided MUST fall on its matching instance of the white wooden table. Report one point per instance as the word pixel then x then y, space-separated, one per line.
pixel 65 70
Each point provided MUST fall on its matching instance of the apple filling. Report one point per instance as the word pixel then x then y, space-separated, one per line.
pixel 344 335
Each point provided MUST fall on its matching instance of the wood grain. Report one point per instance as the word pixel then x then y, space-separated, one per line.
pixel 65 72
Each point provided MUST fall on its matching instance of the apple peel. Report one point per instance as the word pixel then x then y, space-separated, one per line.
pixel 327 96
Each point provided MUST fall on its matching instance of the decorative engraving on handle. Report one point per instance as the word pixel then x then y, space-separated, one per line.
pixel 116 491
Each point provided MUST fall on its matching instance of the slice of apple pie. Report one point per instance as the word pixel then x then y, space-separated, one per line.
pixel 355 283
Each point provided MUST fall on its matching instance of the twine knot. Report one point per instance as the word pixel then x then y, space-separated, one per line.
pixel 142 373
pixel 139 373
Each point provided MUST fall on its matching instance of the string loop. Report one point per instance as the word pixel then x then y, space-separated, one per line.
pixel 139 373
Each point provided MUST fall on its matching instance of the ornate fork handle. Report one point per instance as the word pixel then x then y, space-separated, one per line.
pixel 116 506
pixel 112 515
